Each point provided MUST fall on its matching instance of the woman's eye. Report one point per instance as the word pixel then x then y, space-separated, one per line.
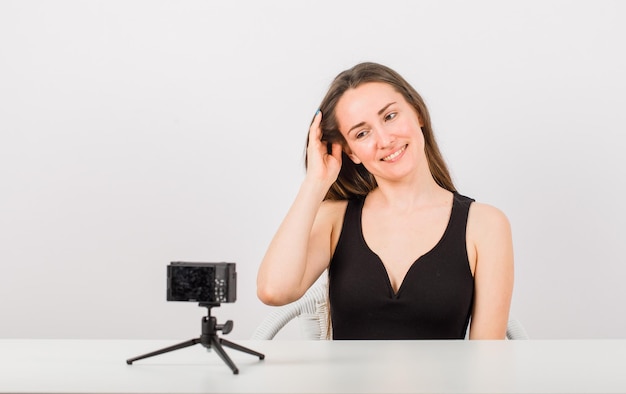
pixel 361 134
pixel 390 116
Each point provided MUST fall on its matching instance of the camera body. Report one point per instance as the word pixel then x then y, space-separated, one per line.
pixel 211 283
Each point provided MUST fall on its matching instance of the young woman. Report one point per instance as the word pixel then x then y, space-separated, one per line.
pixel 408 257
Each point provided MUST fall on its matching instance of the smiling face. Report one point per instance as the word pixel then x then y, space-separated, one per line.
pixel 382 130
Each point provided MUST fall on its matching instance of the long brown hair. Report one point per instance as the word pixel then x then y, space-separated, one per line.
pixel 354 180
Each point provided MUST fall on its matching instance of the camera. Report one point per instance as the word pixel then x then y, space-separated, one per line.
pixel 201 282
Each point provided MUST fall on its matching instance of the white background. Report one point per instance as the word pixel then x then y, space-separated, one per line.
pixel 135 133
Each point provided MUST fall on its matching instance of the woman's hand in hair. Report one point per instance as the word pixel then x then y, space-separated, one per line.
pixel 322 166
pixel 301 248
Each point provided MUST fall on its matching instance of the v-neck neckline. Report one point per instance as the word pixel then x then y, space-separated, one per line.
pixel 396 294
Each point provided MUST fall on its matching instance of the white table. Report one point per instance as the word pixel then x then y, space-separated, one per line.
pixel 99 366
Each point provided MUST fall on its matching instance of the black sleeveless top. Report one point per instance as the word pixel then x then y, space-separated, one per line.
pixel 434 300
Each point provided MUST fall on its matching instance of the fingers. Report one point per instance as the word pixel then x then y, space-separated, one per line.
pixel 336 151
pixel 315 138
pixel 323 158
pixel 315 131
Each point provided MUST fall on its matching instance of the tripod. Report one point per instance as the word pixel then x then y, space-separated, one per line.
pixel 208 339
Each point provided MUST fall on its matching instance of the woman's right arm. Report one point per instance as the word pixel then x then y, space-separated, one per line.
pixel 301 248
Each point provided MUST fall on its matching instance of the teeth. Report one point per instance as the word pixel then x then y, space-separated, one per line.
pixel 394 155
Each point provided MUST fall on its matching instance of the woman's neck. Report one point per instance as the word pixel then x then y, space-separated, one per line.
pixel 409 195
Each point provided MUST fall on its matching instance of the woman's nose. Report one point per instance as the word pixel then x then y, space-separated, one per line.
pixel 384 138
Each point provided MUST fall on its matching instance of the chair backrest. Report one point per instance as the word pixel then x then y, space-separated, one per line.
pixel 310 309
pixel 515 330
pixel 312 312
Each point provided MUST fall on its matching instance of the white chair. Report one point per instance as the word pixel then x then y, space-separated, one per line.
pixel 312 312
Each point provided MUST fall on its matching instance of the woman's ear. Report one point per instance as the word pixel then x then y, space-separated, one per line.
pixel 420 120
pixel 351 155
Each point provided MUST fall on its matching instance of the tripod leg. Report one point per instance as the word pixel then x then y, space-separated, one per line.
pixel 235 346
pixel 181 345
pixel 215 343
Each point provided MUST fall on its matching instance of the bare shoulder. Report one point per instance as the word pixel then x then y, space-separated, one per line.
pixel 332 209
pixel 330 216
pixel 484 219
pixel 489 236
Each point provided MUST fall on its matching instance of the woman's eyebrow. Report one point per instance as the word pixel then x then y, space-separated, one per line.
pixel 383 109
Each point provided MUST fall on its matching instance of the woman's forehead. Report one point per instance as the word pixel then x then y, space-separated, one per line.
pixel 366 100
